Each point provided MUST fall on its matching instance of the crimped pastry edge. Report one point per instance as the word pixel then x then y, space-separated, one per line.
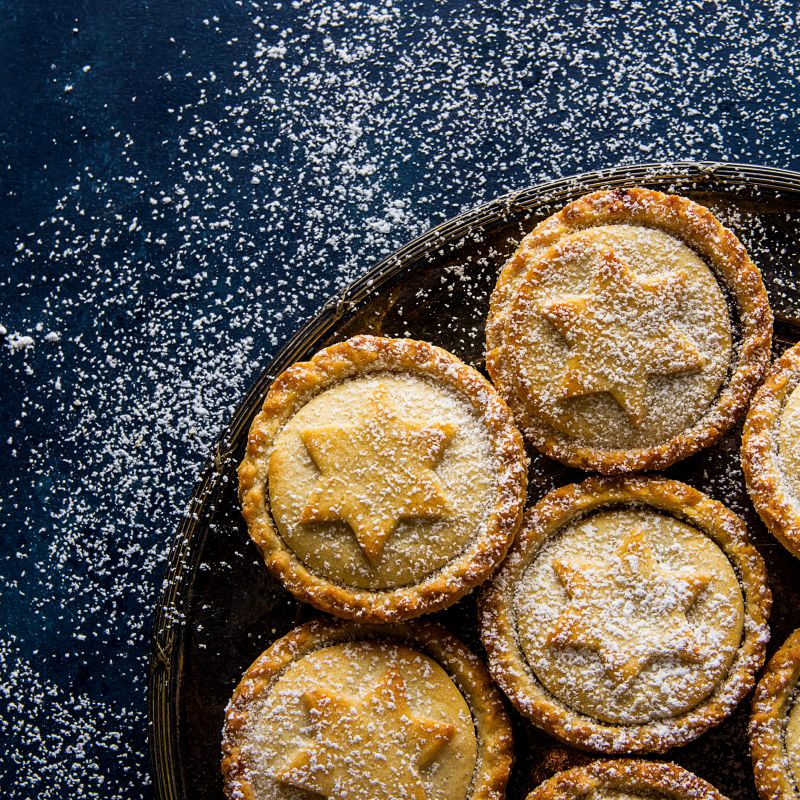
pixel 779 512
pixel 509 667
pixel 493 728
pixel 697 227
pixel 361 355
pixel 768 720
pixel 626 774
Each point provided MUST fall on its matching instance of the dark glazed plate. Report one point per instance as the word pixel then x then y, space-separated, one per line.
pixel 220 608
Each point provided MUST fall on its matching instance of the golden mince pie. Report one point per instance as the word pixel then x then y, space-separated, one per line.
pixel 630 615
pixel 383 479
pixel 351 712
pixel 771 450
pixel 626 779
pixel 628 331
pixel 775 725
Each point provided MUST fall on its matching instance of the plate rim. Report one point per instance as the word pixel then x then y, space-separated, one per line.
pixel 186 545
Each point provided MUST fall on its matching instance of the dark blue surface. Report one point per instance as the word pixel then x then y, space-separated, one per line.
pixel 163 231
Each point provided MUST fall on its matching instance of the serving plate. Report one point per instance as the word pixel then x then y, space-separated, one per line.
pixel 220 607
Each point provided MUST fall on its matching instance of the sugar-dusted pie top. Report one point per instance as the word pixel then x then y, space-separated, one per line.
pixel 619 335
pixel 775 725
pixel 366 712
pixel 365 721
pixel 789 445
pixel 630 616
pixel 628 331
pixel 381 480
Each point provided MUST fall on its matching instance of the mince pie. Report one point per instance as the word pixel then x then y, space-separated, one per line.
pixel 383 479
pixel 775 725
pixel 626 779
pixel 771 450
pixel 630 615
pixel 350 712
pixel 628 331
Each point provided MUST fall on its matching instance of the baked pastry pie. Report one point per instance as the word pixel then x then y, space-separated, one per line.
pixel 628 331
pixel 626 779
pixel 630 615
pixel 383 479
pixel 354 712
pixel 771 450
pixel 775 725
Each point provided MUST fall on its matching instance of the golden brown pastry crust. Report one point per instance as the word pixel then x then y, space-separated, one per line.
pixel 493 729
pixel 759 452
pixel 508 664
pixel 362 355
pixel 658 778
pixel 699 229
pixel 771 705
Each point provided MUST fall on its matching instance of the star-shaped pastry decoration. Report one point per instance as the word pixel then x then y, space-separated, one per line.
pixel 630 611
pixel 621 333
pixel 367 748
pixel 376 473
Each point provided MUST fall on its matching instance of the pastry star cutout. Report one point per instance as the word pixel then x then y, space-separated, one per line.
pixel 621 333
pixel 376 473
pixel 366 749
pixel 629 611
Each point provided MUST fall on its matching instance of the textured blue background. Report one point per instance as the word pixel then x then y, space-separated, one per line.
pixel 184 183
